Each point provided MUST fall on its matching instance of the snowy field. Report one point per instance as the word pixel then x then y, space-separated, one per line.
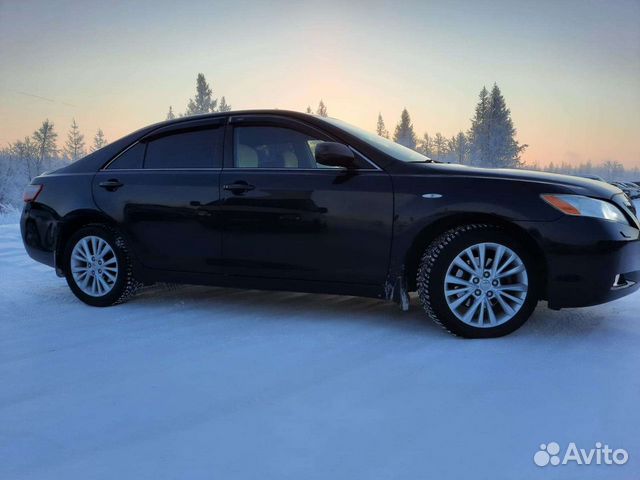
pixel 194 382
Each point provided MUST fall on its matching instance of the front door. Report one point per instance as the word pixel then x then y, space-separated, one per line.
pixel 164 191
pixel 286 216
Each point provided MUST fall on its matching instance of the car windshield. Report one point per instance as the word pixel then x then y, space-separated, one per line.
pixel 387 146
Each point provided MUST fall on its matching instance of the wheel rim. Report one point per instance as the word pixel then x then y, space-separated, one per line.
pixel 94 266
pixel 486 285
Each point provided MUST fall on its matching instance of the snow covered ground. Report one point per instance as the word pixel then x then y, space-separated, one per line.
pixel 9 215
pixel 194 382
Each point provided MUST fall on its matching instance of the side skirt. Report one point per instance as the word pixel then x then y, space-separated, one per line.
pixel 149 276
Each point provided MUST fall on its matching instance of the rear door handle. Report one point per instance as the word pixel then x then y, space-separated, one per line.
pixel 238 187
pixel 111 184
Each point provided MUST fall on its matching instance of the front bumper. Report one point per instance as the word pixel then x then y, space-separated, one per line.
pixel 588 261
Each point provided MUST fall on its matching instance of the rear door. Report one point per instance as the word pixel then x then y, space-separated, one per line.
pixel 285 216
pixel 164 192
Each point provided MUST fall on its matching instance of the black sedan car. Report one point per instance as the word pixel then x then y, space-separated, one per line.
pixel 287 201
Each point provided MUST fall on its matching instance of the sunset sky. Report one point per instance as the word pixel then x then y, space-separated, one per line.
pixel 569 70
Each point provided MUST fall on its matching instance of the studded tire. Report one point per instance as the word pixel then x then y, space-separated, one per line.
pixel 432 270
pixel 125 284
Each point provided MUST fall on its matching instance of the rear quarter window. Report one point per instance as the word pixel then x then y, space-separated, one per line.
pixel 131 158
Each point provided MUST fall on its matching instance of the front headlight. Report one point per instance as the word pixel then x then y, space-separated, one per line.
pixel 579 205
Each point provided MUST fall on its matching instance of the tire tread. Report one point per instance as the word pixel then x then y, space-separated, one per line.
pixel 131 285
pixel 428 260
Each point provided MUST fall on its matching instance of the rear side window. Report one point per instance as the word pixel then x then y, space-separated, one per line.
pixel 132 158
pixel 191 149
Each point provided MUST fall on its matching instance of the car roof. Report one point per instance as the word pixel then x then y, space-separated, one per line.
pixel 272 111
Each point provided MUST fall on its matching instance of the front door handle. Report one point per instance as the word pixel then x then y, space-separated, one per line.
pixel 111 185
pixel 239 187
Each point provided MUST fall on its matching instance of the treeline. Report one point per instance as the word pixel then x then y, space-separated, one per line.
pixel 29 157
pixel 25 159
pixel 490 141
pixel 610 170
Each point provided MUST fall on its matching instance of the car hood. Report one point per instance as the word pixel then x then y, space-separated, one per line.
pixel 579 185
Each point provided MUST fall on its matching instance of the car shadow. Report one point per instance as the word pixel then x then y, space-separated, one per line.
pixel 301 307
pixel 307 307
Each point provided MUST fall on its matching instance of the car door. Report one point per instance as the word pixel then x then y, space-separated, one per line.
pixel 164 192
pixel 286 216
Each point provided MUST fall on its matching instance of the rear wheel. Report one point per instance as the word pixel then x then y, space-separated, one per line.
pixel 477 281
pixel 98 267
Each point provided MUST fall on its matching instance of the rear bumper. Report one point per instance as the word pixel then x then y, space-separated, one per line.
pixel 584 257
pixel 38 228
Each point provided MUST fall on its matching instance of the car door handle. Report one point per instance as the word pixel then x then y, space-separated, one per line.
pixel 239 187
pixel 111 184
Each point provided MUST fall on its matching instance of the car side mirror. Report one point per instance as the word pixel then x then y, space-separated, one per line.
pixel 334 154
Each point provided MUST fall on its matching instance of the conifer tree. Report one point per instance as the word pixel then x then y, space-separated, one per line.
pixel 440 147
pixel 478 133
pixel 504 150
pixel 224 106
pixel 404 134
pixel 202 102
pixel 74 146
pixel 425 145
pixel 491 139
pixel 45 146
pixel 381 129
pixel 99 141
pixel 459 148
pixel 322 109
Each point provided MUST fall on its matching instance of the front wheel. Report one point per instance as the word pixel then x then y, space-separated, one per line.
pixel 476 281
pixel 98 267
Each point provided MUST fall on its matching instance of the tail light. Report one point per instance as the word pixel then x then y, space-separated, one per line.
pixel 31 192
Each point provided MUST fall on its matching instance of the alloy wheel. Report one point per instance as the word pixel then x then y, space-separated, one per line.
pixel 94 266
pixel 486 285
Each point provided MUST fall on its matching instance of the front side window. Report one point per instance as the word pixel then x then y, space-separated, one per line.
pixel 190 149
pixel 274 147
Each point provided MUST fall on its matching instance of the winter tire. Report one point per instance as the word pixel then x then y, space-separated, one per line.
pixel 476 281
pixel 98 266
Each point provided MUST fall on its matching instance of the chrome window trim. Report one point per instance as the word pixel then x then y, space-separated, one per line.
pixel 258 169
pixel 375 168
pixel 239 168
pixel 106 167
pixel 161 169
